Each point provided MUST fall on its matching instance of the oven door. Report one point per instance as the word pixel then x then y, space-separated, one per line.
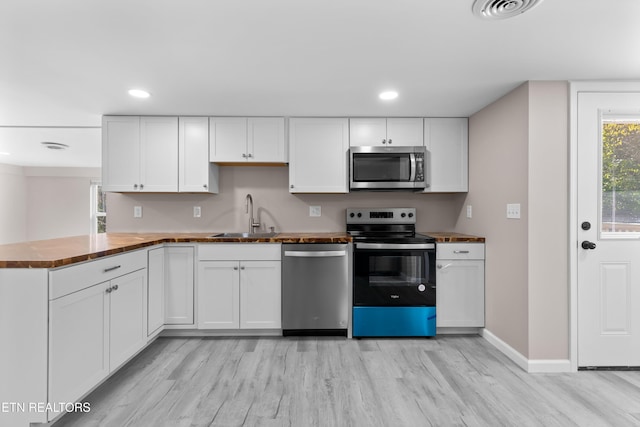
pixel 394 274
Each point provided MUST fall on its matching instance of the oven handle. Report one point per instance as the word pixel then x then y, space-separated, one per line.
pixel 395 245
pixel 314 254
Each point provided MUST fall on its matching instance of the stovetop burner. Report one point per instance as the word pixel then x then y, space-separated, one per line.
pixel 384 225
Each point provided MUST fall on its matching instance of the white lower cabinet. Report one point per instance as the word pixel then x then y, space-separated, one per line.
pixel 460 285
pixel 179 284
pixel 241 288
pixel 93 331
pixel 155 290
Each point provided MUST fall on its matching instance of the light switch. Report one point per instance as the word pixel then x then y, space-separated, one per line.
pixel 197 212
pixel 315 211
pixel 137 211
pixel 513 211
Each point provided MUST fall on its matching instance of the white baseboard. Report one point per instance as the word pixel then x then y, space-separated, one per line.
pixel 528 365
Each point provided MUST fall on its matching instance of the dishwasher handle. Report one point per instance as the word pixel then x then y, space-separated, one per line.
pixel 315 254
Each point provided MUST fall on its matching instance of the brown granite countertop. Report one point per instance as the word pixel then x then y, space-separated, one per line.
pixel 450 237
pixel 69 250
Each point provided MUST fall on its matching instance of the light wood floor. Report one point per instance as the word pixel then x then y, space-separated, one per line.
pixel 443 381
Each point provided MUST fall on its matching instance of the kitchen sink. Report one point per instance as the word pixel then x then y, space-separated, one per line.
pixel 255 235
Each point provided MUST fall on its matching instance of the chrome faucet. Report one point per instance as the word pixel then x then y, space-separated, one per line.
pixel 249 210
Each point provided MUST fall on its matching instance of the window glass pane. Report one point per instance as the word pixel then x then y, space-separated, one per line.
pixel 102 200
pixel 620 198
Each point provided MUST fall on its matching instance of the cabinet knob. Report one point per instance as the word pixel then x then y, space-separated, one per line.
pixel 242 268
pixel 384 141
pixel 141 186
pixel 115 287
pixel 135 186
pixel 244 156
pixel 108 290
pixel 205 185
pixel 291 186
pixel 235 268
pixel 390 141
pixel 249 155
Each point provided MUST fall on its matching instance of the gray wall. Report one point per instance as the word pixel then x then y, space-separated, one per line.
pixel 519 154
pixel 272 202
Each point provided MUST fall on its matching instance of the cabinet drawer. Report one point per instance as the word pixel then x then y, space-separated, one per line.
pixel 76 277
pixel 460 251
pixel 239 251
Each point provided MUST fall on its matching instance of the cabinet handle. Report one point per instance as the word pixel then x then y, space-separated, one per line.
pixel 460 252
pixel 115 267
pixel 115 287
pixel 108 290
pixel 442 267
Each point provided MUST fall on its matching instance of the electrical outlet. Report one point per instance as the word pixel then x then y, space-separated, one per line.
pixel 137 211
pixel 469 211
pixel 315 211
pixel 513 211
pixel 197 212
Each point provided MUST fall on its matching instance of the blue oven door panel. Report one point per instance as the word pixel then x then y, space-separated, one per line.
pixel 394 321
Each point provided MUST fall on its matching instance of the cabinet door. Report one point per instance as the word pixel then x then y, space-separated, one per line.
pixel 195 173
pixel 447 144
pixel 367 131
pixel 78 343
pixel 266 142
pixel 120 153
pixel 218 295
pixel 228 139
pixel 318 155
pixel 128 317
pixel 179 285
pixel 155 290
pixel 159 154
pixel 260 295
pixel 405 132
pixel 460 295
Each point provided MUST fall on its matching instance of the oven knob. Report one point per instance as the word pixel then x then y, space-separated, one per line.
pixel 403 214
pixel 421 287
pixel 352 214
pixel 359 215
pixel 410 215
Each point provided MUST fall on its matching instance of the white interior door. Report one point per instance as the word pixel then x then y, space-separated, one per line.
pixel 608 229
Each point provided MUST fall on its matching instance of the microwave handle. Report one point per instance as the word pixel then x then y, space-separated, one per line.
pixel 412 158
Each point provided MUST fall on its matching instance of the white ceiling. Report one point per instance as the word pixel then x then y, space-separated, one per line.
pixel 67 62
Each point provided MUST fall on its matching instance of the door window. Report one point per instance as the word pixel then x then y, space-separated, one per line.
pixel 620 176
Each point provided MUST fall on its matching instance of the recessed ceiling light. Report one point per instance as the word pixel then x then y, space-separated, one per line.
pixel 502 9
pixel 54 145
pixel 139 93
pixel 390 94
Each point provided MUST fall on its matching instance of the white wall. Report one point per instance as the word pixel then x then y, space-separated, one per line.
pixel 44 203
pixel 13 204
pixel 273 203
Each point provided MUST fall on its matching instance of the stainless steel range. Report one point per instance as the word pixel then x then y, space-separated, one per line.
pixel 394 280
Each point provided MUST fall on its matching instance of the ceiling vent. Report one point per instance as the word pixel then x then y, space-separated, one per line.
pixel 502 9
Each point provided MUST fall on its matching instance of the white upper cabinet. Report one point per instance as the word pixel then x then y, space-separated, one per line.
pixel 140 153
pixel 196 173
pixel 247 140
pixel 447 144
pixel 390 131
pixel 318 155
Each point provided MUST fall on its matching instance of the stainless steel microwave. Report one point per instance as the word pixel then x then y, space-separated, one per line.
pixel 387 168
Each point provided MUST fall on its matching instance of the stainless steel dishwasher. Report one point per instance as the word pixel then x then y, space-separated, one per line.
pixel 315 289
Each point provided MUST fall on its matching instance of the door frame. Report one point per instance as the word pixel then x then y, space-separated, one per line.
pixel 574 89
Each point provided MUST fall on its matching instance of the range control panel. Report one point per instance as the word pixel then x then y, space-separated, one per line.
pixel 381 215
